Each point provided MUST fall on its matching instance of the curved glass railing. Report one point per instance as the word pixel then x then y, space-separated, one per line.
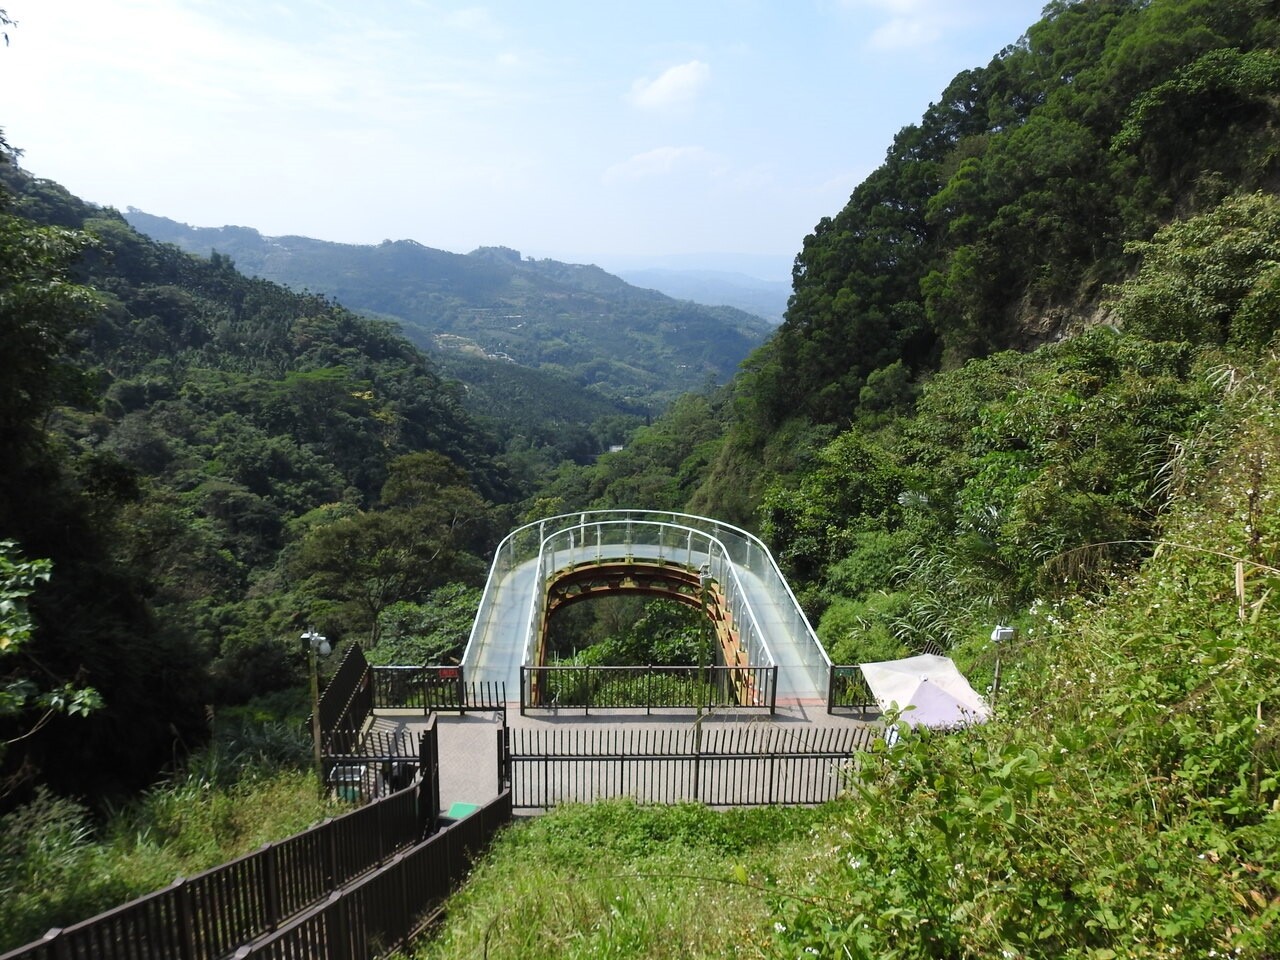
pixel 732 553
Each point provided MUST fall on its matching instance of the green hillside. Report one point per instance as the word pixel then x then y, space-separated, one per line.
pixel 1027 376
pixel 203 457
pixel 636 347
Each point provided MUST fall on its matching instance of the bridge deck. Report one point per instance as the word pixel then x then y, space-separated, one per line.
pixel 499 650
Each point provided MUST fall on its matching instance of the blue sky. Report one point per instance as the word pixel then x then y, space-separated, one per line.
pixel 697 132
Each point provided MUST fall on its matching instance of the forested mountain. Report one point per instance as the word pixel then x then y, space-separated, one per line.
pixel 636 347
pixel 998 220
pixel 1027 376
pixel 212 464
pixel 882 420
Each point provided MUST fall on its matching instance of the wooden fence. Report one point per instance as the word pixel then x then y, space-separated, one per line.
pixel 613 688
pixel 346 702
pixel 211 914
pixel 740 765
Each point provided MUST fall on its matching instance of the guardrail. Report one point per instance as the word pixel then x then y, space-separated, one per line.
pixel 734 766
pixel 743 549
pixel 585 687
pixel 211 914
pixel 634 539
pixel 384 911
pixel 847 691
pixel 346 701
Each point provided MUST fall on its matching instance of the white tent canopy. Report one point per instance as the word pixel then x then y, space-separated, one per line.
pixel 938 693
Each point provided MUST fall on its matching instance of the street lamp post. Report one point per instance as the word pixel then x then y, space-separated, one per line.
pixel 317 645
pixel 1001 634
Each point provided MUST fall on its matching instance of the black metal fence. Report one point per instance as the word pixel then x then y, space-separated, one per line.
pixel 384 911
pixel 847 692
pixel 353 886
pixel 346 703
pixel 434 689
pixel 741 765
pixel 211 914
pixel 613 688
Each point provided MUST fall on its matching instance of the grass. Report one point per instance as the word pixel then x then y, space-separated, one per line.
pixel 620 880
pixel 59 863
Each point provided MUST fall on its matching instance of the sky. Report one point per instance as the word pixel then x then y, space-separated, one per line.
pixel 693 133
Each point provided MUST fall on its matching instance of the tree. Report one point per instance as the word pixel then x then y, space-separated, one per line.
pixel 1214 278
pixel 40 310
pixel 20 691
pixel 420 539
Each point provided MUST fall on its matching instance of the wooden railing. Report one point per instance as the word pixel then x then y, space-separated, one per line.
pixel 211 914
pixel 347 701
pixel 614 688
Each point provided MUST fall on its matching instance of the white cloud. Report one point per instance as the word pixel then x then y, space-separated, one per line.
pixel 675 85
pixel 911 24
pixel 906 33
pixel 477 21
pixel 659 162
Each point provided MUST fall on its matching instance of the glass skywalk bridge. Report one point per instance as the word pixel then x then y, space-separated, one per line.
pixel 769 628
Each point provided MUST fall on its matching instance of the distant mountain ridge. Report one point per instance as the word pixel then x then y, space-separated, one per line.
pixel 763 298
pixel 633 346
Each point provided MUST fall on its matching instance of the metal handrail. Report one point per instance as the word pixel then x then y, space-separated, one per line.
pixel 720 563
pixel 744 549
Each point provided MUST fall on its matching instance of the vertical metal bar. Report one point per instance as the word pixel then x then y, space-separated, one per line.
pixel 186 917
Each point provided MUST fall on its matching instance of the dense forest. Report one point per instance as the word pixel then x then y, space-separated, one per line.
pixel 1027 375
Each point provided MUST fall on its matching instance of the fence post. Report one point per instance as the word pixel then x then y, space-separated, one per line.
pixel 697 759
pixel 331 853
pixel 186 918
pixel 338 927
pixel 380 826
pixel 429 781
pixel 773 775
pixel 831 688
pixel 504 760
pixel 61 949
pixel 773 691
pixel 271 886
pixel 546 772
